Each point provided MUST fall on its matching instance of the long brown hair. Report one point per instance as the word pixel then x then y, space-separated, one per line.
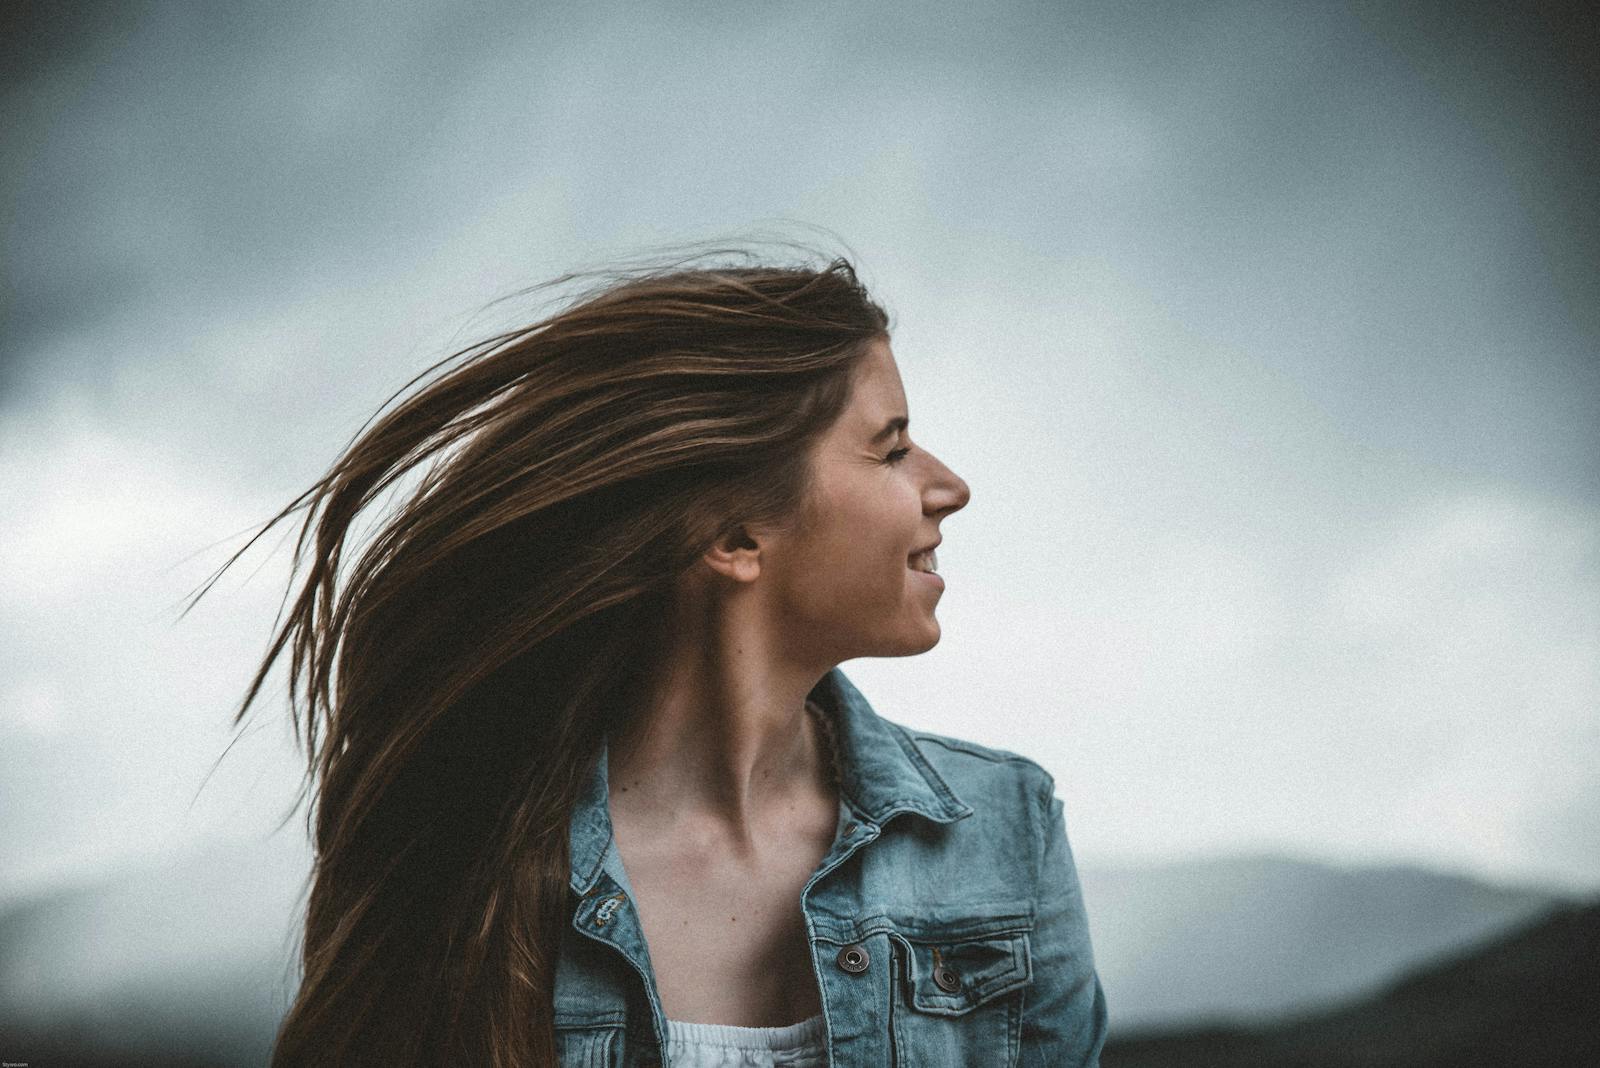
pixel 501 622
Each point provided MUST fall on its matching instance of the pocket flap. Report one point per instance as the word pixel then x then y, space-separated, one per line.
pixel 951 976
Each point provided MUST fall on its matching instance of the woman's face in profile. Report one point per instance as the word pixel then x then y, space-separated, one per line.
pixel 845 581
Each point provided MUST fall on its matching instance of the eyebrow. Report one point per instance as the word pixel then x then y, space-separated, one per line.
pixel 899 422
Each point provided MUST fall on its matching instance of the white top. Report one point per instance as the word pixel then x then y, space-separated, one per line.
pixel 698 1045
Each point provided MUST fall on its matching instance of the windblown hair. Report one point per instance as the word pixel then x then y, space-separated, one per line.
pixel 503 621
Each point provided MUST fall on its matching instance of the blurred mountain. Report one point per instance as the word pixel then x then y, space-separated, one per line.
pixel 192 960
pixel 1251 938
pixel 1530 999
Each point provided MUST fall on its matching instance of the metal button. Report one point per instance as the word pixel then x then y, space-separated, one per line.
pixel 947 978
pixel 607 907
pixel 854 958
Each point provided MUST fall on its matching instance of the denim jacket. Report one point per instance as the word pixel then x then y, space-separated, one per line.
pixel 946 923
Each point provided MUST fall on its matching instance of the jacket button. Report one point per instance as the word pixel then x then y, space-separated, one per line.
pixel 854 958
pixel 947 979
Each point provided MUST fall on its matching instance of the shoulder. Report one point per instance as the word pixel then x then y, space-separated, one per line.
pixel 989 859
pixel 985 776
pixel 966 758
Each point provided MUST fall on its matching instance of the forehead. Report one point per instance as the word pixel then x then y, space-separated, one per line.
pixel 876 392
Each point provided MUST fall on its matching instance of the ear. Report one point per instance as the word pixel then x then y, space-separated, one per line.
pixel 736 555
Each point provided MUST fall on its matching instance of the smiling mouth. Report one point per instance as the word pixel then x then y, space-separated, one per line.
pixel 926 562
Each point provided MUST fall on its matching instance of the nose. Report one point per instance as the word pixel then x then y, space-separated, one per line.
pixel 946 491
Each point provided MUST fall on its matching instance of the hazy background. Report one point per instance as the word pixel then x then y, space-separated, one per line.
pixel 1265 335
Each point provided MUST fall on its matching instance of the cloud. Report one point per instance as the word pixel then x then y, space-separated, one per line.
pixel 1280 437
pixel 1477 627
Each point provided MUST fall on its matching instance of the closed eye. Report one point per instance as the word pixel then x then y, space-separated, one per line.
pixel 897 455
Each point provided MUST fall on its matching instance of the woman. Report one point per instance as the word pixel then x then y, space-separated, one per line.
pixel 590 786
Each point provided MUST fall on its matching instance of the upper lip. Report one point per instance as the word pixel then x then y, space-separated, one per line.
pixel 927 548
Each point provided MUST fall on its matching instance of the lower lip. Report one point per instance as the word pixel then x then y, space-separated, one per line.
pixel 929 576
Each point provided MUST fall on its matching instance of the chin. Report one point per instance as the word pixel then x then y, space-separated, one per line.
pixel 929 639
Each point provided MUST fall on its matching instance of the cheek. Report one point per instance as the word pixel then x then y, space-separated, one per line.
pixel 857 594
pixel 852 561
pixel 866 561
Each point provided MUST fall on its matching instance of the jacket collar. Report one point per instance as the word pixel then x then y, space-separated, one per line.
pixel 881 773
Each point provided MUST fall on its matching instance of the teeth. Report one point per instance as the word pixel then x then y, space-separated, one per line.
pixel 925 561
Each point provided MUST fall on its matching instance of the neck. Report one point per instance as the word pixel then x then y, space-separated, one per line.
pixel 721 736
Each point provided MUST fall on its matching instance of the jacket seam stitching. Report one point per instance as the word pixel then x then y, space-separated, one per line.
pixel 992 755
pixel 1047 798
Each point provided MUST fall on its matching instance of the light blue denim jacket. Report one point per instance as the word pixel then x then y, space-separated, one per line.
pixel 946 923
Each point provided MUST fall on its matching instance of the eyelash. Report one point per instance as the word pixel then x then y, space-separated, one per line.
pixel 897 455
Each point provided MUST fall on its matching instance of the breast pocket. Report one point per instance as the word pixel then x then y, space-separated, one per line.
pixel 957 999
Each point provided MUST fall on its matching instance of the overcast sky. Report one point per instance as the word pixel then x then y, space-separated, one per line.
pixel 1265 336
